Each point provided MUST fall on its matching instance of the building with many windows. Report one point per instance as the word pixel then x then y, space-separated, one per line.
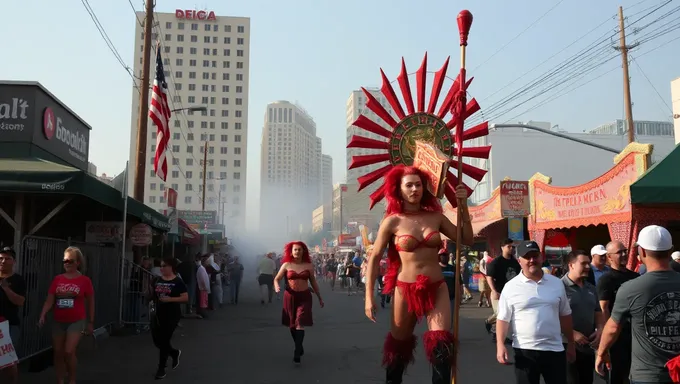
pixel 326 179
pixel 206 63
pixel 642 127
pixel 291 171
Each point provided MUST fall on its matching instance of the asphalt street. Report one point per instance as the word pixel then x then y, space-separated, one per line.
pixel 246 344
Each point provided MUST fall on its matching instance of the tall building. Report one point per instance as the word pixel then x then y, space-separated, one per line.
pixel 291 171
pixel 206 60
pixel 355 106
pixel 642 127
pixel 326 179
pixel 675 96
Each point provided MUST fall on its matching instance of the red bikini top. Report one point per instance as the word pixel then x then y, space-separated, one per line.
pixel 292 275
pixel 408 243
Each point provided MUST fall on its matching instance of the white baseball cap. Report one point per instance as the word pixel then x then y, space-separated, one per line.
pixel 598 250
pixel 655 238
pixel 675 255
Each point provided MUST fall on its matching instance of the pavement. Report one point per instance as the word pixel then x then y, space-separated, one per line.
pixel 246 344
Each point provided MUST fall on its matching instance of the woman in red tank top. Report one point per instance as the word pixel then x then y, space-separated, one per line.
pixel 411 231
pixel 71 299
pixel 298 269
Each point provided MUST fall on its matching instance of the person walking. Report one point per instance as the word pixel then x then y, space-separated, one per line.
pixel 169 292
pixel 484 288
pixel 12 299
pixel 650 302
pixel 501 270
pixel 235 269
pixel 536 306
pixel 265 277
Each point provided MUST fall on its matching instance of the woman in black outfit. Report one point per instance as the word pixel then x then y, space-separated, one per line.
pixel 169 291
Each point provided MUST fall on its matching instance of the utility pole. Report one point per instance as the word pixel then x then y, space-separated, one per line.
pixel 628 104
pixel 143 119
pixel 220 212
pixel 205 164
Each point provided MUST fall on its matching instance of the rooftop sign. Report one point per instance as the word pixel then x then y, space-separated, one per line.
pixel 195 15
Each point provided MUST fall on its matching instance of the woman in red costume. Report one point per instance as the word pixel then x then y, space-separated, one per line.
pixel 411 231
pixel 297 300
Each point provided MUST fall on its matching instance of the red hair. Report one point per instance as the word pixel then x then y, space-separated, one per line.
pixel 288 252
pixel 395 205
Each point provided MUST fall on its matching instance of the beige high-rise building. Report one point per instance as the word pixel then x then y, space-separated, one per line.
pixel 291 171
pixel 326 179
pixel 355 106
pixel 206 61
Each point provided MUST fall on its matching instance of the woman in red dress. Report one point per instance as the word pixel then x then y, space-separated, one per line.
pixel 411 231
pixel 297 299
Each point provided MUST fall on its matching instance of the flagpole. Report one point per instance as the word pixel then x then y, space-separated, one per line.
pixel 142 119
pixel 122 256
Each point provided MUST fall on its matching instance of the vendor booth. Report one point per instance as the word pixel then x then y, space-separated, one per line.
pixel 596 212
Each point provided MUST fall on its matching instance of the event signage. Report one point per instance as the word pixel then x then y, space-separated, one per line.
pixel 103 231
pixel 29 114
pixel 434 163
pixel 195 15
pixel 515 198
pixel 596 201
pixel 199 218
pixel 141 235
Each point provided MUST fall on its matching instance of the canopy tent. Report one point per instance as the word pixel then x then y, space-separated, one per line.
pixel 32 175
pixel 661 183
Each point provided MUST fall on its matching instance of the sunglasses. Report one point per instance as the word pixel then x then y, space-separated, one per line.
pixel 69 261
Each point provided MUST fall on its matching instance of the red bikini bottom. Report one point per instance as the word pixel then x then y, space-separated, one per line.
pixel 421 295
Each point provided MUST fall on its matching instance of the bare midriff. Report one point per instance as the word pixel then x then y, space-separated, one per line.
pixel 298 280
pixel 422 261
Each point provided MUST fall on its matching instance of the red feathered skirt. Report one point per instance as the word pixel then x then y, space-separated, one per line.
pixel 297 308
pixel 421 295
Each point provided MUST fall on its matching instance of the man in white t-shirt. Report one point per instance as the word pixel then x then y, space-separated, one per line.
pixel 536 306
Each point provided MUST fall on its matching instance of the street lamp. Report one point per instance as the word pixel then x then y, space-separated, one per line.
pixel 198 108
pixel 553 133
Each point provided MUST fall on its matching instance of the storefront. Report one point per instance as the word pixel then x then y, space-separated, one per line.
pixel 488 226
pixel 581 216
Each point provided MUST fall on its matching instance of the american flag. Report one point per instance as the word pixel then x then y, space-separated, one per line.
pixel 159 112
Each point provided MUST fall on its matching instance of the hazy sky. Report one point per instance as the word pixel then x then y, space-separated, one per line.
pixel 316 52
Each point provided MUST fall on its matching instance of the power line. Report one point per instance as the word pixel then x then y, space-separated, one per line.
pixel 652 85
pixel 518 35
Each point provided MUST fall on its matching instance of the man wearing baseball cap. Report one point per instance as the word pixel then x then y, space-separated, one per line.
pixel 598 263
pixel 651 303
pixel 537 307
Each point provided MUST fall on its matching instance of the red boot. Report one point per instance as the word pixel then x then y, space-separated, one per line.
pixel 439 347
pixel 397 354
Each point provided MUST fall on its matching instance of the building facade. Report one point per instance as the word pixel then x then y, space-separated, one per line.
pixel 291 169
pixel 206 61
pixel 355 106
pixel 321 218
pixel 642 128
pixel 675 96
pixel 326 179
pixel 520 154
pixel 351 206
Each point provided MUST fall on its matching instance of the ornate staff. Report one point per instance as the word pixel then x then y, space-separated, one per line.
pixel 458 110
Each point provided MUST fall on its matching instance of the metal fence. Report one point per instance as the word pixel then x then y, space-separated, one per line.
pixel 41 259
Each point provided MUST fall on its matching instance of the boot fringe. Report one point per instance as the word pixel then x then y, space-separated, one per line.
pixel 398 351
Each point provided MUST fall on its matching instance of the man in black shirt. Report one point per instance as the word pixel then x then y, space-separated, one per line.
pixel 607 286
pixel 12 296
pixel 501 270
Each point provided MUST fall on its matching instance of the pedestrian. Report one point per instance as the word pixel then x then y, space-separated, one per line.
pixel 650 302
pixel 265 277
pixel 297 299
pixel 586 316
pixel 169 292
pixel 598 266
pixel 235 269
pixel 332 269
pixel 607 287
pixel 536 306
pixel 187 272
pixel 12 298
pixel 501 270
pixel 466 272
pixel 72 297
pixel 484 288
pixel 203 282
pixel 449 272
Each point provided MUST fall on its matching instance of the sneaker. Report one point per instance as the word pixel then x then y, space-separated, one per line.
pixel 175 359
pixel 160 374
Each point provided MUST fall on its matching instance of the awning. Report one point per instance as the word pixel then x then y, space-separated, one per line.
pixel 188 234
pixel 661 183
pixel 33 175
pixel 482 215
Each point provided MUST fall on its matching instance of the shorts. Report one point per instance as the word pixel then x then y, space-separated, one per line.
pixel 74 327
pixel 267 280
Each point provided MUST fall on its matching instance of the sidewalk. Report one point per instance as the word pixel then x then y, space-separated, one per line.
pixel 247 345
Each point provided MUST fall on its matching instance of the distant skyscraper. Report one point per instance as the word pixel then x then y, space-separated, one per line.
pixel 291 170
pixel 326 179
pixel 356 105
pixel 206 61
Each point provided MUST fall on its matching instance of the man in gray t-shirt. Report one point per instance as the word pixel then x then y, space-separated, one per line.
pixel 652 304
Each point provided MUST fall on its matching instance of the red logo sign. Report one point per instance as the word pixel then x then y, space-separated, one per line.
pixel 514 198
pixel 195 15
pixel 49 123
